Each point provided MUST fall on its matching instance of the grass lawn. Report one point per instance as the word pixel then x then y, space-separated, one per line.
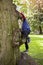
pixel 35 47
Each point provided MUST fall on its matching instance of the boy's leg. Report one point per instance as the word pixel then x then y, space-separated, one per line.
pixel 26 45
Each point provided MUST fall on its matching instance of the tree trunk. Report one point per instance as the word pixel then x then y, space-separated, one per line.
pixel 8 33
pixel 40 30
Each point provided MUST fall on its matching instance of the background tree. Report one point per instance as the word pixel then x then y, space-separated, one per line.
pixel 39 16
pixel 36 21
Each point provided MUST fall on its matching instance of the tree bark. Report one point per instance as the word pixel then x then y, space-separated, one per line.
pixel 8 33
pixel 40 30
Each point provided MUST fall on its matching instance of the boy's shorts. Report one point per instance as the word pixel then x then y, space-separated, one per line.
pixel 28 39
pixel 24 39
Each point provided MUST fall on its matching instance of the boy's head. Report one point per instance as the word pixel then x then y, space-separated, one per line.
pixel 22 16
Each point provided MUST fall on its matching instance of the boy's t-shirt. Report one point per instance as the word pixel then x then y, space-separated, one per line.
pixel 25 27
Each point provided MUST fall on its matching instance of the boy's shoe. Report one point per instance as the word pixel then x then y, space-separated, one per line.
pixel 24 40
pixel 26 51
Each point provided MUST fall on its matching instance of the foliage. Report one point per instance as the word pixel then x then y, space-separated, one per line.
pixel 36 21
pixel 33 10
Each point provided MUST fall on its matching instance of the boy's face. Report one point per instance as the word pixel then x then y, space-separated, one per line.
pixel 21 17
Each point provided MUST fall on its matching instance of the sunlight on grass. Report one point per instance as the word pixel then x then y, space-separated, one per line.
pixel 39 36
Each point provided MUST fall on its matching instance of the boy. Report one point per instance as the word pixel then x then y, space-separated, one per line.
pixel 25 30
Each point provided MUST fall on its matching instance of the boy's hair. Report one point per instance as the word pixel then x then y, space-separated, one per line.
pixel 23 16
